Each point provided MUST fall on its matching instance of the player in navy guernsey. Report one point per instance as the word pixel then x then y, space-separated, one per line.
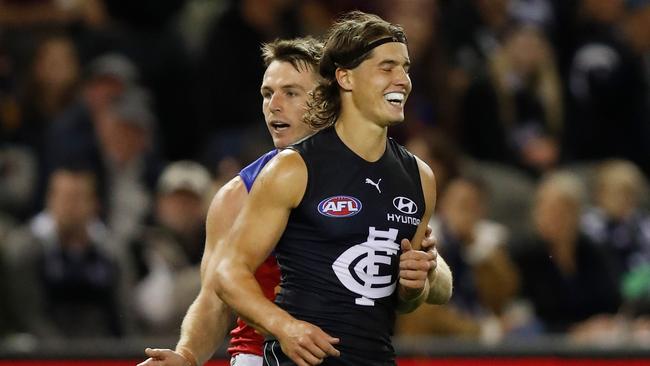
pixel 284 96
pixel 339 209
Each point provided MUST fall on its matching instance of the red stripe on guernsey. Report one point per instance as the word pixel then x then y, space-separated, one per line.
pixel 244 338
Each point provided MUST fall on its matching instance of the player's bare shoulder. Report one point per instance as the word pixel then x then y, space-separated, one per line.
pixel 426 173
pixel 288 162
pixel 224 208
pixel 230 196
pixel 285 177
pixel 428 179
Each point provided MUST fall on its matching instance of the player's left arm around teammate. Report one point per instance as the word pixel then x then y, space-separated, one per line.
pixel 414 263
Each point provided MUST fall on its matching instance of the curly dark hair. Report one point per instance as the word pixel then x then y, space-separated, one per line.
pixel 348 43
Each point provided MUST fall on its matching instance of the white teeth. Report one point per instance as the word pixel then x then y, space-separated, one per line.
pixel 394 97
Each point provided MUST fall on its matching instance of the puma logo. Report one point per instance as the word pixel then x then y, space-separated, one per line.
pixel 369 181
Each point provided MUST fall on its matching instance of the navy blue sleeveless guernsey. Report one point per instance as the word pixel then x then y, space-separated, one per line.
pixel 339 254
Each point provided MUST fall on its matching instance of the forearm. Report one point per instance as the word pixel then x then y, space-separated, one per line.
pixel 240 290
pixel 440 284
pixel 204 327
pixel 408 302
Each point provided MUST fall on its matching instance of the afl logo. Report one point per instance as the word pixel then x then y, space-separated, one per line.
pixel 405 205
pixel 339 206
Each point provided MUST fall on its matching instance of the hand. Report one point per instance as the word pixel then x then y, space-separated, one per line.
pixel 414 267
pixel 306 344
pixel 429 245
pixel 164 357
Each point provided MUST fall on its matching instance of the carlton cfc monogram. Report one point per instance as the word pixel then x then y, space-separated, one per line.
pixel 358 267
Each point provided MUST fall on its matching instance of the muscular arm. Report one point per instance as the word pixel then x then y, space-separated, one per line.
pixel 439 276
pixel 206 322
pixel 439 279
pixel 414 285
pixel 440 283
pixel 278 189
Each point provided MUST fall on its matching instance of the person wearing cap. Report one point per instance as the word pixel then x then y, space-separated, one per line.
pixel 72 133
pixel 339 210
pixel 130 163
pixel 290 75
pixel 169 251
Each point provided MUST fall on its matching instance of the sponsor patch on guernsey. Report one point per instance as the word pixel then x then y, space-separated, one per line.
pixel 339 206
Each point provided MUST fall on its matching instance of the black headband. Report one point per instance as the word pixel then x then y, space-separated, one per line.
pixel 369 47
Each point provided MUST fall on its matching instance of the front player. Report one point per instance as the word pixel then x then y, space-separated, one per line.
pixel 337 247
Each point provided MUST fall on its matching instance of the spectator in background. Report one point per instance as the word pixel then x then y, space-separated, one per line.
pixel 515 115
pixel 7 224
pixel 106 78
pixel 567 277
pixel 18 176
pixel 66 281
pixel 427 103
pixel 473 29
pixel 130 164
pixel 607 84
pixel 19 13
pixel 555 18
pixel 621 227
pixel 27 108
pixel 228 101
pixel 50 88
pixel 470 31
pixel 485 278
pixel 148 35
pixel 9 106
pixel 74 133
pixel 169 252
pixel 617 222
pixel 440 154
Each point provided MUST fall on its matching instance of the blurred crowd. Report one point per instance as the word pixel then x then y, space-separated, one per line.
pixel 119 120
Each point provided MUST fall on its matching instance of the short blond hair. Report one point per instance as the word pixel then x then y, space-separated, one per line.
pixel 567 184
pixel 622 174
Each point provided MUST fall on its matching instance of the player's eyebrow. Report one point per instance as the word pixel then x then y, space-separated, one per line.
pixel 266 88
pixel 293 86
pixel 393 62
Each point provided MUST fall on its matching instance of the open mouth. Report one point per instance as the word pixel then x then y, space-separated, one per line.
pixel 395 98
pixel 279 126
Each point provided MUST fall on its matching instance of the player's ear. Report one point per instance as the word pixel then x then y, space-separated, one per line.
pixel 344 78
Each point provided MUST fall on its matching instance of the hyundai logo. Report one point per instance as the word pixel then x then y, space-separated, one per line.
pixel 405 205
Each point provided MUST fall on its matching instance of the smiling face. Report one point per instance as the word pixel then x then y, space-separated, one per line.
pixel 285 92
pixel 380 85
